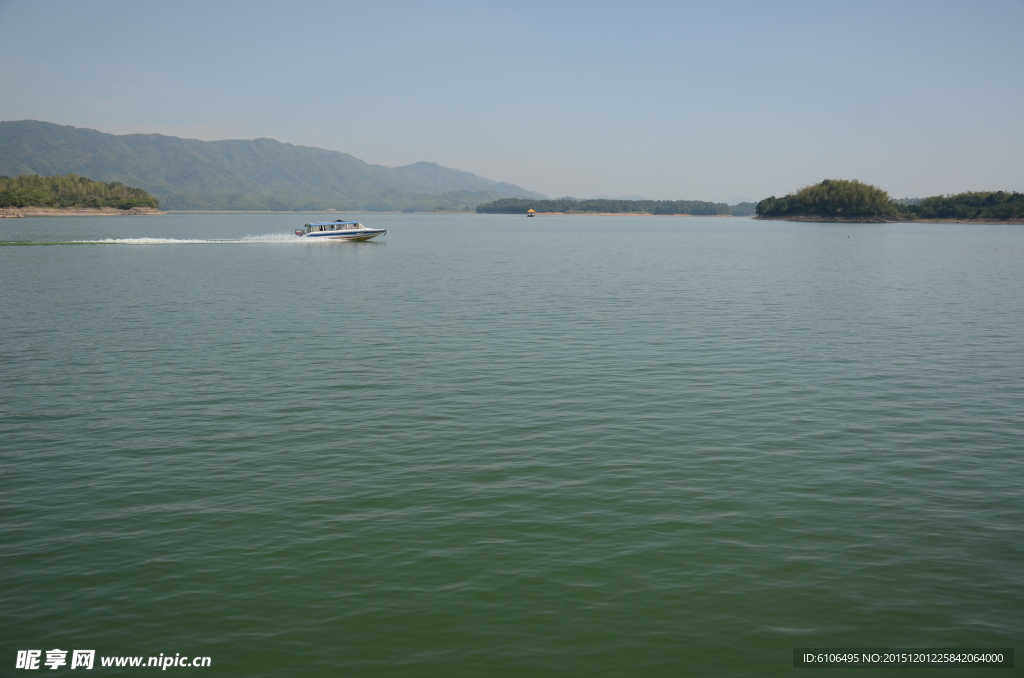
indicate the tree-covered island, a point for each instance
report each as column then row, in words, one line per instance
column 846, row 200
column 71, row 192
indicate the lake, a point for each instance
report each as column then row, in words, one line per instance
column 496, row 446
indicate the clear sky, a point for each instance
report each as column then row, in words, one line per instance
column 716, row 100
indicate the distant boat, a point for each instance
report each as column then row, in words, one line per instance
column 531, row 213
column 339, row 230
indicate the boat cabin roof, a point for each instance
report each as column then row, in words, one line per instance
column 333, row 223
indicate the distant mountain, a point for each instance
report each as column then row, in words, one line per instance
column 261, row 174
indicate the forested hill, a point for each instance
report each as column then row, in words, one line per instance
column 981, row 205
column 832, row 198
column 851, row 200
column 605, row 206
column 260, row 174
column 70, row 191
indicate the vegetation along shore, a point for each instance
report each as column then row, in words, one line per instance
column 34, row 195
column 853, row 201
column 832, row 200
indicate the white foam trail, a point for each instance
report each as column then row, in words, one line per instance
column 246, row 240
column 145, row 241
column 275, row 237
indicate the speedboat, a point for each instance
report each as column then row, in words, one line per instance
column 339, row 230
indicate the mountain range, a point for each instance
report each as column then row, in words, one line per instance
column 258, row 174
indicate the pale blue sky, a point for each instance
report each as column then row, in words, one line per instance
column 716, row 100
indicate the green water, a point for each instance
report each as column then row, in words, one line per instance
column 493, row 446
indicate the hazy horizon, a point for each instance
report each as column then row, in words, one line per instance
column 734, row 101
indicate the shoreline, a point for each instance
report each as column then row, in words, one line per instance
column 616, row 214
column 837, row 220
column 281, row 212
column 24, row 212
column 886, row 220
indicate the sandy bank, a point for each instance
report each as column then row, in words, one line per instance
column 625, row 214
column 969, row 221
column 837, row 220
column 887, row 220
column 17, row 212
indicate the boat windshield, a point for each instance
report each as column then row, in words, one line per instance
column 333, row 226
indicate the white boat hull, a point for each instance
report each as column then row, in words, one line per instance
column 353, row 234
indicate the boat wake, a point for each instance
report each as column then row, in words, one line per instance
column 269, row 238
